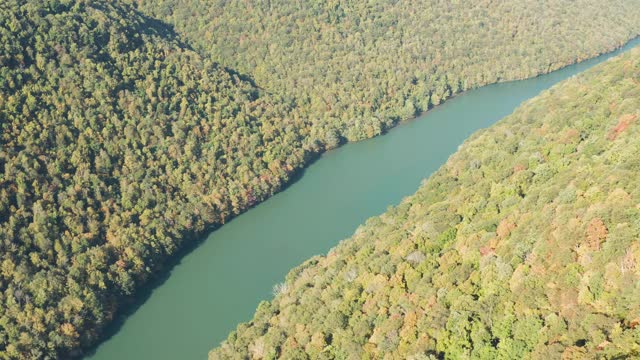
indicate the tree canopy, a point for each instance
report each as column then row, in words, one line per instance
column 118, row 141
column 355, row 68
column 123, row 138
column 523, row 245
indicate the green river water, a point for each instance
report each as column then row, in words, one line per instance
column 220, row 283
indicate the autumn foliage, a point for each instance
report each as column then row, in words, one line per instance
column 483, row 262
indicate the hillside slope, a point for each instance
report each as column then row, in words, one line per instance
column 117, row 142
column 356, row 68
column 525, row 244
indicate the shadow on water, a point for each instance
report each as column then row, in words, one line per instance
column 221, row 285
column 131, row 304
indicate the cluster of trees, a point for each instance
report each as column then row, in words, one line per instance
column 119, row 141
column 356, row 68
column 523, row 245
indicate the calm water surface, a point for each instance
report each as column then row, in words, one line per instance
column 219, row 284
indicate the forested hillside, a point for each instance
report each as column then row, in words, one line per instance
column 525, row 244
column 356, row 68
column 119, row 141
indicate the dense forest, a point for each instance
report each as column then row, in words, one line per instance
column 117, row 142
column 355, row 68
column 123, row 138
column 523, row 245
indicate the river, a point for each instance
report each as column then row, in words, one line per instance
column 219, row 284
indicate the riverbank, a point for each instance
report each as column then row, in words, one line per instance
column 210, row 290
